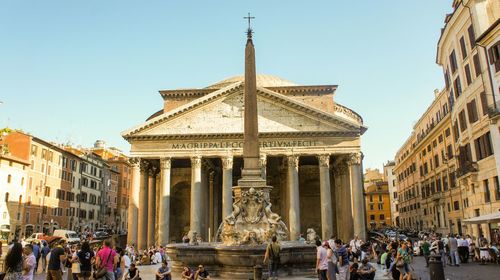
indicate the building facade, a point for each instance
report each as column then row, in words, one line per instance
column 393, row 191
column 469, row 84
column 377, row 199
column 188, row 157
column 14, row 166
column 447, row 170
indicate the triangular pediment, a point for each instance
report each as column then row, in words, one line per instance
column 221, row 112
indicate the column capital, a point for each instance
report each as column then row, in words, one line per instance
column 152, row 170
column 324, row 160
column 135, row 162
column 196, row 161
column 293, row 161
column 144, row 164
column 263, row 160
column 227, row 162
column 165, row 163
column 355, row 159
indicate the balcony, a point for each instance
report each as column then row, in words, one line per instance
column 494, row 110
column 466, row 168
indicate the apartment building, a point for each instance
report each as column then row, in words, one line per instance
column 393, row 191
column 469, row 85
column 447, row 170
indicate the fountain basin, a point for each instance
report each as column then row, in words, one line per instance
column 237, row 262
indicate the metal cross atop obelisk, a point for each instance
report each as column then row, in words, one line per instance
column 249, row 31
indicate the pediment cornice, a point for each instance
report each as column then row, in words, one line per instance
column 235, row 136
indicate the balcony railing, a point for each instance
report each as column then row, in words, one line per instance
column 466, row 168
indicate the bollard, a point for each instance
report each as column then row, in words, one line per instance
column 257, row 272
column 436, row 270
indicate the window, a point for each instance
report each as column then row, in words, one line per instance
column 463, row 123
column 381, row 206
column 371, row 206
column 371, row 198
column 483, row 146
column 382, row 217
column 453, row 62
column 6, row 197
column 440, row 138
column 484, row 103
column 472, row 36
column 456, row 205
column 9, row 178
column 372, row 217
column 44, row 153
column 34, row 150
column 449, row 151
column 477, row 64
column 496, row 185
column 380, row 197
column 447, row 132
column 487, row 197
column 447, row 79
column 436, row 161
column 472, row 111
column 457, row 87
column 463, row 48
column 445, row 182
column 494, row 55
column 468, row 76
column 47, row 191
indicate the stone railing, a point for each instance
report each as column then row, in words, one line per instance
column 494, row 110
column 348, row 113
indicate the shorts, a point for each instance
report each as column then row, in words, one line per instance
column 85, row 274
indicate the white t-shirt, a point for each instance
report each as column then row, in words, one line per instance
column 321, row 255
column 125, row 263
column 355, row 245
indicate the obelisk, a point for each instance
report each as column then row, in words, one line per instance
column 252, row 221
column 251, row 154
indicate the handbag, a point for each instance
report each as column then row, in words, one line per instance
column 75, row 267
column 102, row 270
column 400, row 263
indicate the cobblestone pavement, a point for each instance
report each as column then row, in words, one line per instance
column 469, row 271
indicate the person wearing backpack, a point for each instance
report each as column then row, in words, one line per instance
column 273, row 256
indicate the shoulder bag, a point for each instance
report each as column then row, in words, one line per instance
column 102, row 270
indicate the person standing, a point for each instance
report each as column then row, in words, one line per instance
column 29, row 263
column 56, row 261
column 426, row 251
column 272, row 256
column 331, row 260
column 343, row 260
column 355, row 246
column 45, row 252
column 453, row 244
column 36, row 253
column 107, row 258
column 124, row 263
column 85, row 256
column 321, row 260
column 463, row 248
column 14, row 262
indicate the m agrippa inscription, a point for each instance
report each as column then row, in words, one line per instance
column 239, row 144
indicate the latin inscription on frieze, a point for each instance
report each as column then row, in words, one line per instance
column 239, row 144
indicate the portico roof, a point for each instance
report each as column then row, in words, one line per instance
column 351, row 123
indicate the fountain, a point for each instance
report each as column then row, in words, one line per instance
column 243, row 234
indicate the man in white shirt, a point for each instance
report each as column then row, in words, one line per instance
column 355, row 246
column 321, row 260
column 463, row 248
column 29, row 263
column 125, row 264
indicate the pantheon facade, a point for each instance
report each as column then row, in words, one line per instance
column 188, row 156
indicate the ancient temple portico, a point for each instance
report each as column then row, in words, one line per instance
column 188, row 156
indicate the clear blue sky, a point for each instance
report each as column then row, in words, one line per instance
column 77, row 71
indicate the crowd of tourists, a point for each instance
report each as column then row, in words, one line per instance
column 456, row 249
